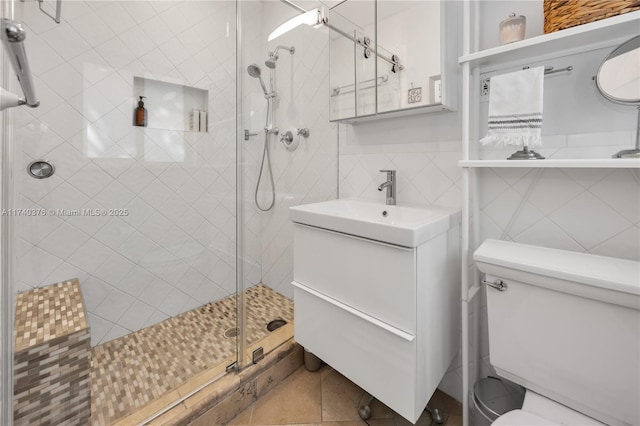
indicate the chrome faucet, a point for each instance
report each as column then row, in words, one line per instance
column 390, row 184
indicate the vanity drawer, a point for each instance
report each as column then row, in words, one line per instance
column 379, row 358
column 375, row 278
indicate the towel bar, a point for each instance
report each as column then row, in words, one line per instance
column 549, row 70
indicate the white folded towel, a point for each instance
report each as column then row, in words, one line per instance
column 515, row 108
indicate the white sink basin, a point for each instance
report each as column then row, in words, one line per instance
column 400, row 225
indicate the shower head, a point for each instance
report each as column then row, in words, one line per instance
column 273, row 56
column 254, row 71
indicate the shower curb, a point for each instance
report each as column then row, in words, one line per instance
column 221, row 401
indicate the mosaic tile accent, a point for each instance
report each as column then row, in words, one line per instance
column 51, row 361
column 49, row 312
column 131, row 371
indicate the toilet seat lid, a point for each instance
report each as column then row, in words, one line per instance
column 521, row 418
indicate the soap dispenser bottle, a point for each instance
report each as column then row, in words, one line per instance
column 141, row 113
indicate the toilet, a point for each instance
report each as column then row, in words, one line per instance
column 566, row 327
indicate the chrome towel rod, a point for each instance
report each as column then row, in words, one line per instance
column 58, row 10
column 56, row 18
column 549, row 70
column 340, row 89
column 13, row 36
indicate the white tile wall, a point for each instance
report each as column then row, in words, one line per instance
column 306, row 175
column 580, row 210
column 176, row 248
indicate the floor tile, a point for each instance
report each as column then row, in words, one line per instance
column 444, row 403
column 381, row 422
column 454, row 421
column 337, row 400
column 340, row 398
column 296, row 400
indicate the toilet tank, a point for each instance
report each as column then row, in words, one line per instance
column 567, row 326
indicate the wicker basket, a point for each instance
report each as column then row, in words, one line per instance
column 561, row 14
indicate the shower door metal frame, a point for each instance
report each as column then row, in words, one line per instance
column 7, row 259
column 241, row 343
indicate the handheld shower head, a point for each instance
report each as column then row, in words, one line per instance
column 254, row 71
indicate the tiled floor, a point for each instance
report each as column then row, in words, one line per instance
column 130, row 372
column 328, row 398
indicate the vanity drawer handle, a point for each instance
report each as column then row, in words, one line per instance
column 393, row 330
column 497, row 284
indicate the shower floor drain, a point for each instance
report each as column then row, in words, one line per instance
column 231, row 332
column 275, row 324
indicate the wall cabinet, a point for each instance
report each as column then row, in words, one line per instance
column 392, row 58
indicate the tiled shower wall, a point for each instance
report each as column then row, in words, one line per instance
column 586, row 210
column 175, row 249
column 306, row 175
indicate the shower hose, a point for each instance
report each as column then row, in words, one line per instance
column 266, row 157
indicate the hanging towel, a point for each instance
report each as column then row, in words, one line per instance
column 515, row 109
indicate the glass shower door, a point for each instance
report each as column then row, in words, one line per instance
column 141, row 218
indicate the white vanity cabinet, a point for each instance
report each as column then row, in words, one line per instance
column 385, row 316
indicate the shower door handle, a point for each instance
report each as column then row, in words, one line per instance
column 248, row 134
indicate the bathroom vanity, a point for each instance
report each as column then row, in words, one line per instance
column 376, row 292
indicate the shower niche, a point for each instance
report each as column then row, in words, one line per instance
column 173, row 106
column 392, row 58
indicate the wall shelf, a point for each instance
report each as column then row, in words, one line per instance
column 583, row 38
column 572, row 40
column 172, row 106
column 605, row 163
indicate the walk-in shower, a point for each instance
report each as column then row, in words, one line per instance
column 149, row 232
column 255, row 72
column 141, row 220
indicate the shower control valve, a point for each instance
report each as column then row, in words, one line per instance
column 288, row 141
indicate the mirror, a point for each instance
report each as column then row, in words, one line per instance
column 352, row 70
column 392, row 57
column 411, row 30
column 618, row 80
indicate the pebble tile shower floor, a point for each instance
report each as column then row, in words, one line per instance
column 129, row 372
